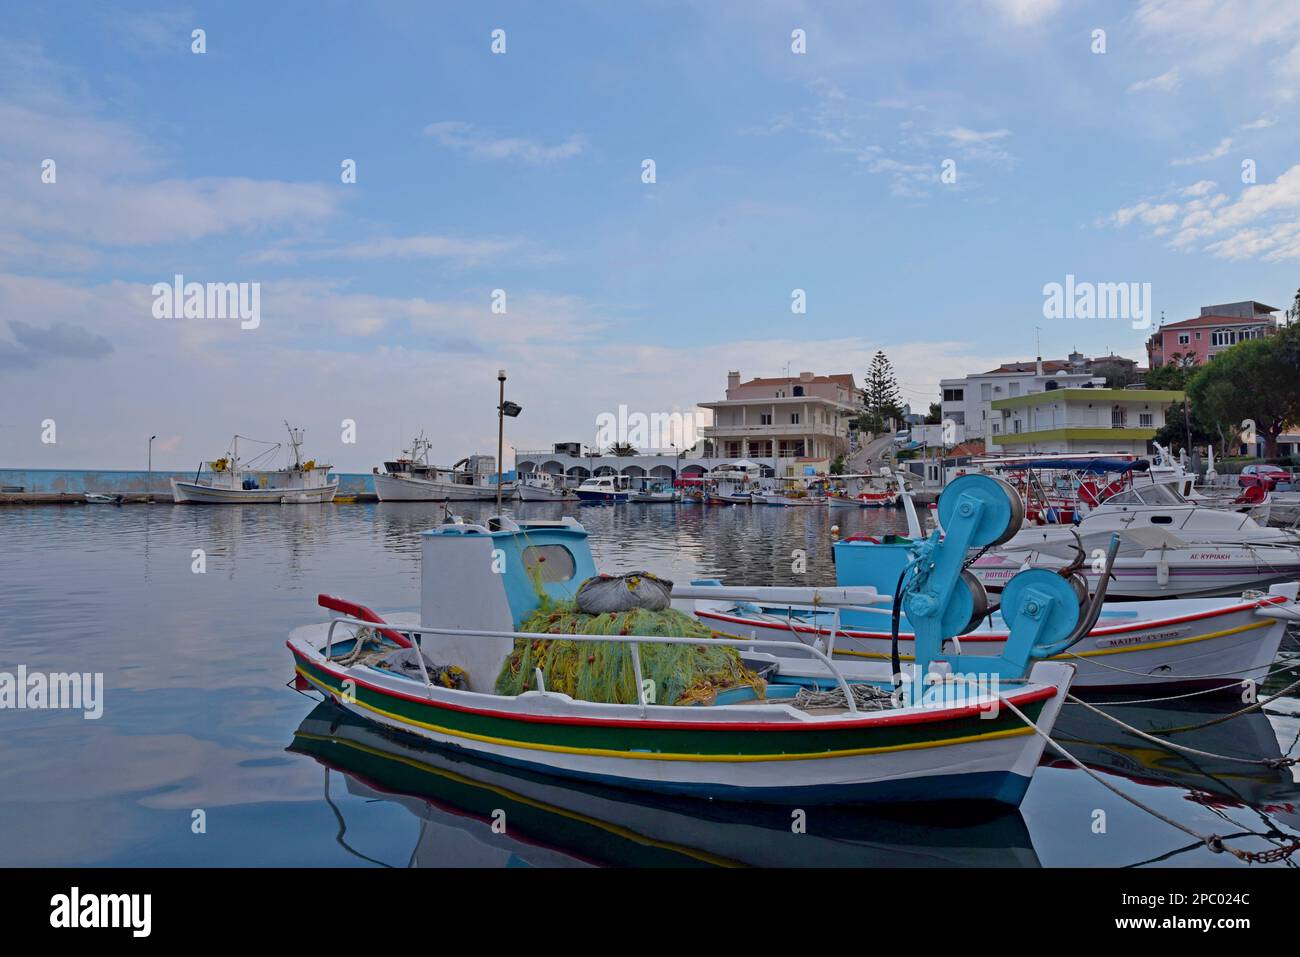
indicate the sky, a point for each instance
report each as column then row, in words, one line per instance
column 920, row 172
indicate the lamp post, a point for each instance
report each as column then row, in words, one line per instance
column 504, row 408
column 148, row 486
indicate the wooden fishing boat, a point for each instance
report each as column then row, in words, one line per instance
column 232, row 481
column 956, row 728
column 410, row 478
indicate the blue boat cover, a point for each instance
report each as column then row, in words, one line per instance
column 1093, row 466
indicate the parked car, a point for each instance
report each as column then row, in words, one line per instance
column 1265, row 476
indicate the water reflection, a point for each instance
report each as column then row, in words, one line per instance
column 473, row 813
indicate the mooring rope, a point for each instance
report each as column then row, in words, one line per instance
column 1266, row 762
column 1212, row 841
column 1203, row 691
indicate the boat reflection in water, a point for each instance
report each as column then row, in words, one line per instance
column 552, row 822
column 1219, row 784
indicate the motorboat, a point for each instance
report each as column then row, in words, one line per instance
column 410, row 478
column 231, row 480
column 950, row 726
column 606, row 488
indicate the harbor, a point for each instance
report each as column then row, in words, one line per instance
column 217, row 729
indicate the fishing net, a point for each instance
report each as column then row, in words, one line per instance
column 602, row 671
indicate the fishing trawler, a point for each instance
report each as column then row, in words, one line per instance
column 956, row 727
column 231, row 480
column 542, row 486
column 410, row 478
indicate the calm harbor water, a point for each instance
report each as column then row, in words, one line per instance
column 198, row 716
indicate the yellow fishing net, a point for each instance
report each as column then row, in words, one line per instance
column 602, row 671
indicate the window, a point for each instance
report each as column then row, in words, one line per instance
column 765, row 418
column 549, row 563
column 798, row 390
column 996, row 430
column 986, row 391
column 1016, row 425
column 794, row 418
column 1184, row 339
column 1015, row 388
column 1146, row 420
column 954, row 395
column 1118, row 417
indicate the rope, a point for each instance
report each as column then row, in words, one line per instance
column 1212, row 841
column 1194, row 694
column 1266, row 762
column 1246, row 710
column 866, row 697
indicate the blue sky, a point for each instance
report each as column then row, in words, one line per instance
column 775, row 171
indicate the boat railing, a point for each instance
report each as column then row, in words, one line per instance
column 637, row 640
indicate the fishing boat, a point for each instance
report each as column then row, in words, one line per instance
column 541, row 486
column 790, row 493
column 231, row 480
column 410, row 478
column 1198, row 644
column 460, row 799
column 956, row 727
column 606, row 488
column 656, row 493
column 730, row 486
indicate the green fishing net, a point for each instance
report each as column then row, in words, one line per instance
column 602, row 672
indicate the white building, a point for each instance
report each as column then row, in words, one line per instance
column 968, row 401
column 1081, row 420
column 791, row 423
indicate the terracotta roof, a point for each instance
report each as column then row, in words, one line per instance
column 1216, row 321
column 1049, row 365
column 966, row 448
column 844, row 379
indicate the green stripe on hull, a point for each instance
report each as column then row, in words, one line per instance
column 704, row 741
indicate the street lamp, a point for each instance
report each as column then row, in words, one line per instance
column 148, row 486
column 504, row 408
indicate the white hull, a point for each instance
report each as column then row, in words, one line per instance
column 1204, row 571
column 1162, row 644
column 192, row 493
column 533, row 493
column 391, row 488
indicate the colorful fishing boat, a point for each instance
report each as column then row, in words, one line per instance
column 955, row 727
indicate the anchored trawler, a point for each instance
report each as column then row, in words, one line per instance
column 410, row 478
column 231, row 480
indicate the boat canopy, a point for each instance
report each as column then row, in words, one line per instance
column 1092, row 466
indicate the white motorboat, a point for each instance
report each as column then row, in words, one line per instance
column 410, row 478
column 1154, row 563
column 232, row 481
column 1158, row 506
column 606, row 488
column 540, row 486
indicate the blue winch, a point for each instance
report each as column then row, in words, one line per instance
column 1045, row 611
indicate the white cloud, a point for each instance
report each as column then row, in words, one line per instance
column 1263, row 123
column 1026, row 12
column 465, row 252
column 467, row 138
column 1164, row 83
column 1220, row 150
column 1259, row 224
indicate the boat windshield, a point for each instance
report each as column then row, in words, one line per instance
column 1159, row 495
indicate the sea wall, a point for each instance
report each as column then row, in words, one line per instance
column 128, row 482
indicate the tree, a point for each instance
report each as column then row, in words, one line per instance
column 936, row 414
column 880, row 396
column 1172, row 375
column 837, row 467
column 1256, row 381
column 622, row 449
column 1117, row 374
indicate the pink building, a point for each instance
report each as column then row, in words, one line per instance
column 1197, row 341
